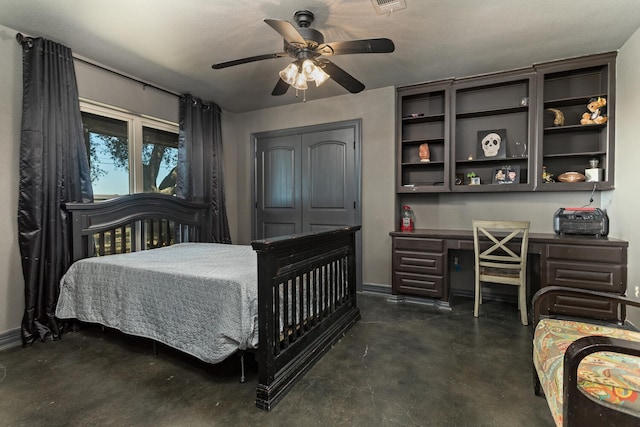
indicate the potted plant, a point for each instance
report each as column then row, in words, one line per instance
column 473, row 178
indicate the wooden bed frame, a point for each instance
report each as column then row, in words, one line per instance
column 288, row 268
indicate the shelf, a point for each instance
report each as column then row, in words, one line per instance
column 575, row 154
column 421, row 141
column 423, row 119
column 423, row 164
column 574, row 128
column 569, row 102
column 575, row 186
column 504, row 160
column 496, row 112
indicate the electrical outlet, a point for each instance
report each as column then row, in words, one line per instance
column 637, row 291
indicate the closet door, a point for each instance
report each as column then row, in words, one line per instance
column 278, row 195
column 328, row 179
column 306, row 180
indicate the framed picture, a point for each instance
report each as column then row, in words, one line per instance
column 492, row 144
column 506, row 175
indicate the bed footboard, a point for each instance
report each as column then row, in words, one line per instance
column 307, row 301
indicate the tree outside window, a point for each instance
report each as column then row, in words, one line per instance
column 113, row 154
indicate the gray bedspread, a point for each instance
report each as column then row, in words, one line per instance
column 200, row 298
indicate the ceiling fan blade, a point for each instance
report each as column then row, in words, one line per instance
column 343, row 78
column 249, row 59
column 287, row 31
column 357, row 46
column 281, row 88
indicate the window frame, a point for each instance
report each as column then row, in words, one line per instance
column 135, row 124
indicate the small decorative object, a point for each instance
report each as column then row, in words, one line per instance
column 524, row 101
column 470, row 157
column 492, row 144
column 520, row 150
column 558, row 119
column 597, row 113
column 425, row 156
column 408, row 219
column 546, row 176
column 459, row 179
column 571, row 177
column 413, row 116
column 506, row 175
column 473, row 178
column 593, row 173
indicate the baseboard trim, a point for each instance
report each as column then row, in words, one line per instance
column 10, row 339
column 439, row 304
column 374, row 288
column 385, row 291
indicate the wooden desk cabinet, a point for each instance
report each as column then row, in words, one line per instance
column 420, row 267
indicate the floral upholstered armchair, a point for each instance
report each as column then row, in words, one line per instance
column 588, row 370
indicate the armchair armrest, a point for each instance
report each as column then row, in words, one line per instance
column 576, row 401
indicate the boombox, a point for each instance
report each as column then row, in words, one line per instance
column 585, row 221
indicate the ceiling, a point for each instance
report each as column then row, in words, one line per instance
column 172, row 44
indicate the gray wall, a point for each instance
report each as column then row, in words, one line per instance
column 11, row 282
column 624, row 206
column 376, row 109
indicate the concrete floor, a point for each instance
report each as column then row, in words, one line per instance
column 401, row 365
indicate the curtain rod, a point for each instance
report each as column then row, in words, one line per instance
column 21, row 39
column 143, row 83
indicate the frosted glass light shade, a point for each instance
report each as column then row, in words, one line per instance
column 289, row 74
column 312, row 72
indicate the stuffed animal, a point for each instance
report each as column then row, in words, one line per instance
column 597, row 114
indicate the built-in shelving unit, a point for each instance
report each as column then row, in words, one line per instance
column 485, row 107
column 424, row 119
column 568, row 86
column 454, row 116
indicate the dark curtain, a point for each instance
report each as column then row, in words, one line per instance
column 53, row 169
column 200, row 175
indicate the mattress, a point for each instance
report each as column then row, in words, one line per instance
column 200, row 298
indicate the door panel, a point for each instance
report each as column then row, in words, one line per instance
column 279, row 210
column 329, row 180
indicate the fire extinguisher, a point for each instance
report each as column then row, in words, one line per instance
column 407, row 220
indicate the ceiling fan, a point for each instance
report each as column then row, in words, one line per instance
column 307, row 46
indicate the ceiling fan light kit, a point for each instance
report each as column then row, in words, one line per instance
column 307, row 46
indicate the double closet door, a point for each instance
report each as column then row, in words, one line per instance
column 307, row 179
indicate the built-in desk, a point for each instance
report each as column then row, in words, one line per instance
column 420, row 267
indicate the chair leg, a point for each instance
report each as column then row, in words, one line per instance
column 537, row 387
column 477, row 299
column 522, row 292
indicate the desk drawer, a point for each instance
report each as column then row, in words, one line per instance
column 418, row 244
column 596, row 277
column 584, row 307
column 419, row 262
column 421, row 285
column 586, row 253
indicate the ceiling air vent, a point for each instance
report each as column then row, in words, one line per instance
column 388, row 6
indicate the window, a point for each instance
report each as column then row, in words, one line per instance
column 129, row 153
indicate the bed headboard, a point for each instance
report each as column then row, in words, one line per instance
column 135, row 222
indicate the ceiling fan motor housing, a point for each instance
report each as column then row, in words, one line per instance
column 304, row 19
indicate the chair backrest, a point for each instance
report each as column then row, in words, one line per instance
column 501, row 244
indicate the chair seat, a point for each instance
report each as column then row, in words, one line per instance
column 609, row 377
column 500, row 272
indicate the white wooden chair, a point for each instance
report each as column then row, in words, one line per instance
column 500, row 249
